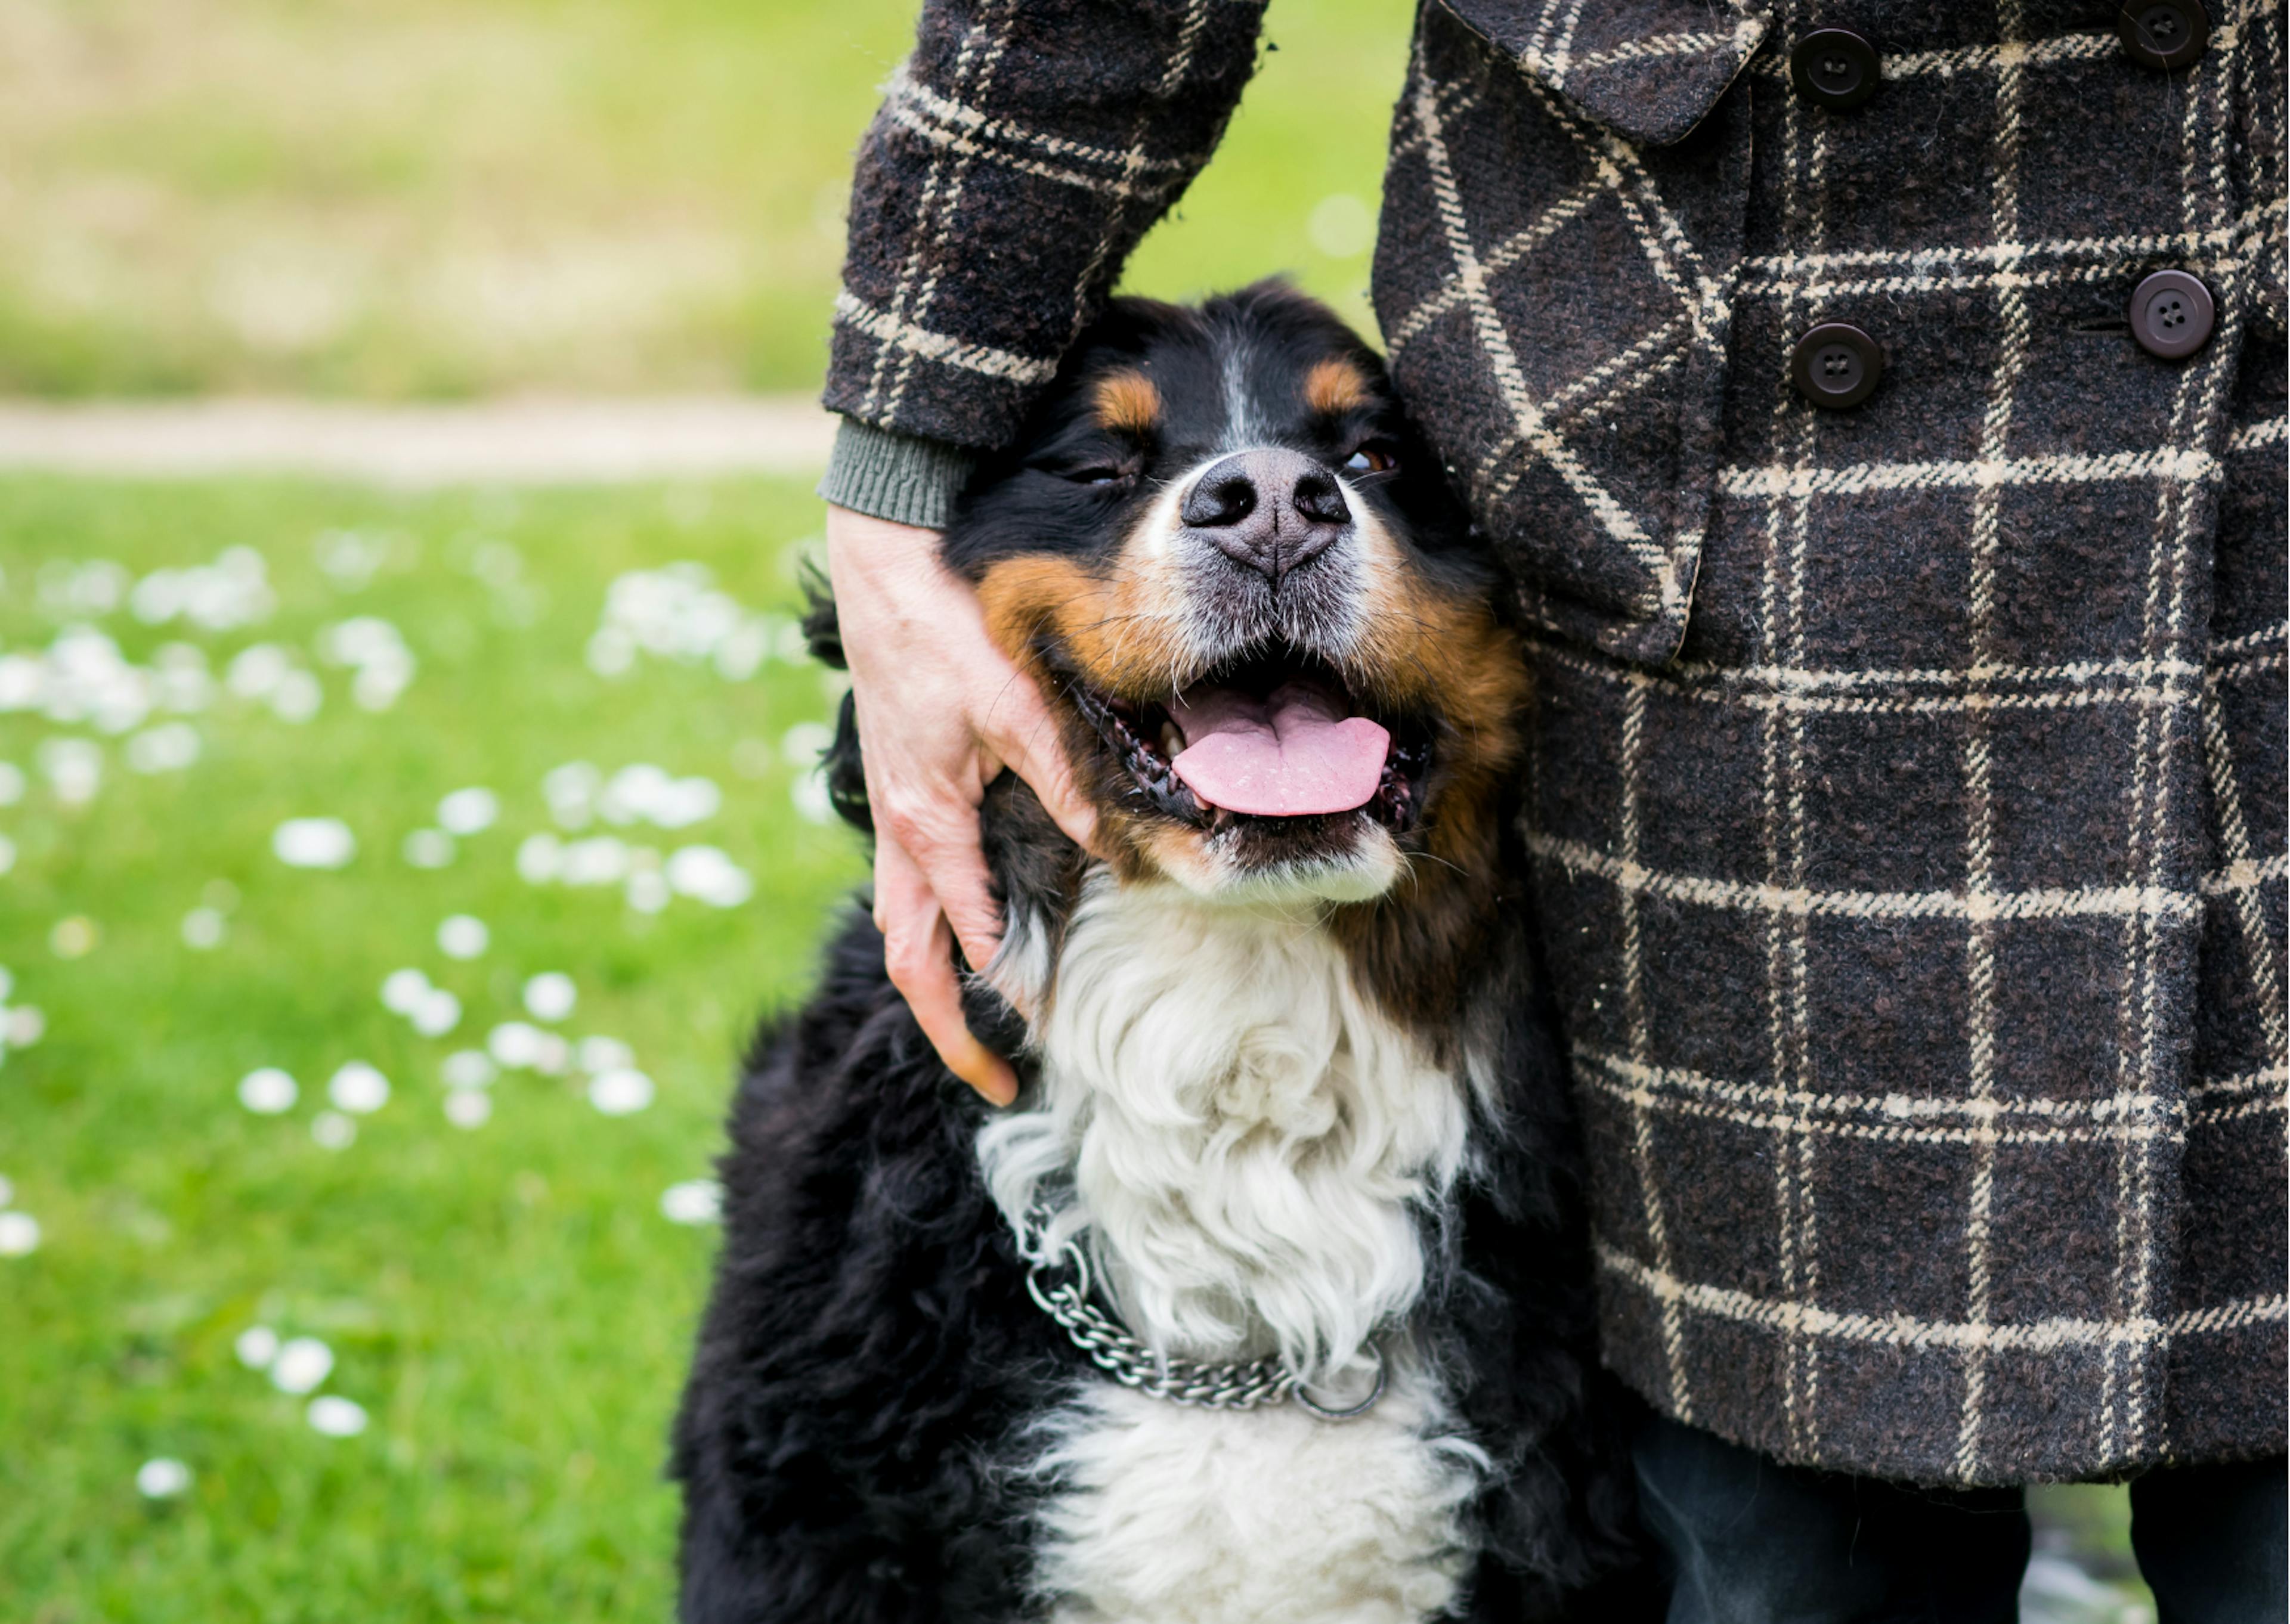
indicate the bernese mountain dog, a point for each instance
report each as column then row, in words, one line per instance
column 1266, row 1301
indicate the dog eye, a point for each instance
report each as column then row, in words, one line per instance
column 1097, row 477
column 1372, row 459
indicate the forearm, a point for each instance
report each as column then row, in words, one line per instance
column 1021, row 152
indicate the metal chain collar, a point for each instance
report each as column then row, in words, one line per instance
column 1110, row 1347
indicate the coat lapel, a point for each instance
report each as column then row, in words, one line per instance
column 1649, row 70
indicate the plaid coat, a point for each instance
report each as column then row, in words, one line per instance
column 1907, row 793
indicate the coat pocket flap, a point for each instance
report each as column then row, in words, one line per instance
column 1649, row 70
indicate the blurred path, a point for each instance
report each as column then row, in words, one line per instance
column 523, row 441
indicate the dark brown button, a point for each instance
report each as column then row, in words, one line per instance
column 2171, row 315
column 1836, row 365
column 1834, row 68
column 2164, row 34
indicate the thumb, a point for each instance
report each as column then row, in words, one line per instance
column 1024, row 736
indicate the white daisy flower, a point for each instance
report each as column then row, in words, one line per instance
column 538, row 858
column 161, row 1478
column 469, row 1068
column 620, row 1092
column 297, row 697
column 550, row 995
column 301, row 1365
column 314, row 842
column 710, row 876
column 427, row 848
column 695, row 1201
column 336, row 1417
column 358, row 1087
column 515, row 1045
column 603, row 860
column 462, row 936
column 267, row 1092
column 257, row 1347
column 469, row 811
column 403, row 990
column 438, row 1013
column 19, row 1234
column 600, row 1053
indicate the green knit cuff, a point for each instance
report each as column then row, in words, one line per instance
column 894, row 477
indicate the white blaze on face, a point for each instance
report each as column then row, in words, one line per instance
column 1240, row 429
column 1160, row 559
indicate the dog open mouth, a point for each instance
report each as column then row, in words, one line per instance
column 1272, row 738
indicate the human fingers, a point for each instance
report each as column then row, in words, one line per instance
column 916, row 952
column 1022, row 735
column 953, row 867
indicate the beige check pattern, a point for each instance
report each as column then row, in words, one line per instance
column 1907, row 793
column 1565, row 342
column 1919, row 927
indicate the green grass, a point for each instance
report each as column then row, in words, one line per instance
column 410, row 199
column 508, row 1304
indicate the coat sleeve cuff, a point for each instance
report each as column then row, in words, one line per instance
column 894, row 477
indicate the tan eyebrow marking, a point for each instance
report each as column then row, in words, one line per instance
column 1127, row 403
column 1333, row 386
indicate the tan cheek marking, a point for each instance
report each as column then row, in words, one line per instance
column 1127, row 403
column 1334, row 385
column 1384, row 575
column 1481, row 672
column 1124, row 631
column 1418, row 642
column 1421, row 646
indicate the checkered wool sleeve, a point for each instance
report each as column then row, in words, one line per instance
column 1020, row 154
column 1907, row 794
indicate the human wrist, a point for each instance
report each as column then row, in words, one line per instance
column 894, row 477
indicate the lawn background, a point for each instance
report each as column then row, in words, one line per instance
column 420, row 198
column 508, row 1304
column 408, row 200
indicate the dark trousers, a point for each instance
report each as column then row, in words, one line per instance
column 1752, row 1541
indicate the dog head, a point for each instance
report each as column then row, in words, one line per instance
column 1237, row 570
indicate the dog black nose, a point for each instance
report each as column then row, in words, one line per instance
column 1270, row 510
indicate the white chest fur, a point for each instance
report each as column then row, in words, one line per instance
column 1243, row 1133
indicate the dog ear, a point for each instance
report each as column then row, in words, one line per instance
column 846, row 770
column 820, row 629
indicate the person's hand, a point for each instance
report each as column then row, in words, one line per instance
column 942, row 711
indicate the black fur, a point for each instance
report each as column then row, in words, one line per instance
column 850, row 1444
column 844, row 1441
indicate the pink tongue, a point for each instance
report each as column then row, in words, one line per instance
column 1289, row 754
